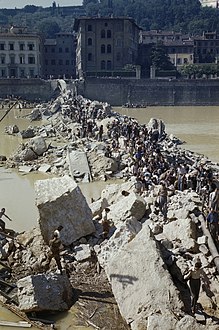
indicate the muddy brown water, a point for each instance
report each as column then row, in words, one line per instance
column 198, row 126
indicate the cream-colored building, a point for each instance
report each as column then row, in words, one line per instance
column 20, row 53
column 180, row 53
column 105, row 45
column 209, row 3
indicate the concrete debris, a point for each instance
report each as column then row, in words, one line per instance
column 144, row 232
column 42, row 292
column 60, row 202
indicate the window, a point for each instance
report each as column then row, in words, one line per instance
column 89, row 41
column 21, row 46
column 2, row 46
column 31, row 60
column 30, row 46
column 46, row 62
column 89, row 57
column 21, row 59
column 103, row 49
column 109, row 65
column 11, row 46
column 103, row 65
column 2, row 59
column 60, row 50
column 22, row 73
column 53, row 50
column 46, row 50
column 178, row 60
column 3, row 74
column 109, row 34
column 103, row 34
column 67, row 50
column 89, row 27
column 109, row 49
column 185, row 60
column 106, row 24
column 12, row 60
column 67, row 62
column 31, row 73
column 53, row 62
column 60, row 62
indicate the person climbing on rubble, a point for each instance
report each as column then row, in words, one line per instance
column 2, row 223
column 194, row 276
column 214, row 199
column 54, row 252
column 212, row 224
column 105, row 223
column 162, row 199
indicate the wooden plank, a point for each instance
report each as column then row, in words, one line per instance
column 19, row 324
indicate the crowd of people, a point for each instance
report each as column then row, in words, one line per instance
column 147, row 159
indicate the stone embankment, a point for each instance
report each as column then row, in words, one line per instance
column 144, row 252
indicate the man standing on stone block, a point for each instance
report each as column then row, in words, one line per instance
column 55, row 246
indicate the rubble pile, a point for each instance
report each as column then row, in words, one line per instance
column 145, row 258
column 145, row 252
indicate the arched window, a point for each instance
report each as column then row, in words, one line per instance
column 109, row 34
column 109, row 49
column 103, row 34
column 103, row 49
column 89, row 57
column 89, row 41
column 109, row 65
column 103, row 65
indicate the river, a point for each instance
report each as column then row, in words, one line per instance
column 198, row 126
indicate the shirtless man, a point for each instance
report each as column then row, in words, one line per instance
column 2, row 223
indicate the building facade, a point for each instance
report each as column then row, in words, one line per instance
column 20, row 53
column 179, row 47
column 105, row 45
column 180, row 53
column 206, row 48
column 59, row 56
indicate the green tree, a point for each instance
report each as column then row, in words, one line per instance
column 160, row 59
column 48, row 27
column 30, row 9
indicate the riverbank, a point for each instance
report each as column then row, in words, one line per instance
column 143, row 156
column 151, row 92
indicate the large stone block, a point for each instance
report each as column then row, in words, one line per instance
column 129, row 206
column 113, row 192
column 38, row 145
column 124, row 234
column 61, row 202
column 44, row 293
column 183, row 230
column 140, row 281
